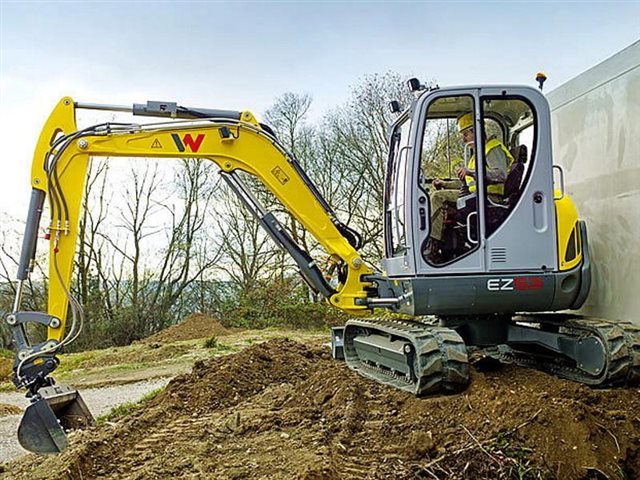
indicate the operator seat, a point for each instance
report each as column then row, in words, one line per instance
column 496, row 213
column 512, row 188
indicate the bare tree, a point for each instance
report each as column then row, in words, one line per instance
column 34, row 296
column 355, row 138
column 248, row 251
column 132, row 275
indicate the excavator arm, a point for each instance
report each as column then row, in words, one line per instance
column 234, row 141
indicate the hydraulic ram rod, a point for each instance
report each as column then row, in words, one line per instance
column 162, row 109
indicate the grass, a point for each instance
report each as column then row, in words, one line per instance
column 126, row 409
column 517, row 463
column 212, row 343
column 136, row 353
column 117, row 365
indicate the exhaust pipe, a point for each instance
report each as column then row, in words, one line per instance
column 53, row 411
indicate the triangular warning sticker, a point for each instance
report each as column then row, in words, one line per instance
column 156, row 144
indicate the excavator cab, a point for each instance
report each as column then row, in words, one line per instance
column 478, row 232
column 500, row 238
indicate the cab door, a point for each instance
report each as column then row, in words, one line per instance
column 499, row 215
column 398, row 228
column 449, row 235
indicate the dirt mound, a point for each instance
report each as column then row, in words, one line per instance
column 281, row 410
column 192, row 327
column 6, row 369
column 6, row 409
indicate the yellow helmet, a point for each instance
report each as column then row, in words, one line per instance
column 465, row 121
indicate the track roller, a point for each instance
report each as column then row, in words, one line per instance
column 409, row 355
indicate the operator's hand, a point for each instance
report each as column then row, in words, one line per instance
column 462, row 172
column 438, row 184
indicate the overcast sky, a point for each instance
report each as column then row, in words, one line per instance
column 241, row 55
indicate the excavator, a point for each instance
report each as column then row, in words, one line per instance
column 510, row 258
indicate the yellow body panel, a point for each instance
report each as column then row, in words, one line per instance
column 568, row 232
column 247, row 149
column 72, row 172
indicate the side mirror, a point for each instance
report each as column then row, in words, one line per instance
column 414, row 85
column 394, row 106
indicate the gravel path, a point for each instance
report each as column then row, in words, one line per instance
column 99, row 401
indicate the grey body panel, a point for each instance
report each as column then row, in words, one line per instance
column 492, row 293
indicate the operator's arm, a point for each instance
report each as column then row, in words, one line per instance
column 447, row 184
column 497, row 165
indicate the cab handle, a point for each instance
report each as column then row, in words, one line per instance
column 561, row 176
column 471, row 240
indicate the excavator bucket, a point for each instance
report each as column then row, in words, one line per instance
column 55, row 410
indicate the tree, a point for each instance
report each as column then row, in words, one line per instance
column 133, row 276
column 354, row 140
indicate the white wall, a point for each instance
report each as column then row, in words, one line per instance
column 596, row 137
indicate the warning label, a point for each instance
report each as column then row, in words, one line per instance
column 156, row 144
column 280, row 175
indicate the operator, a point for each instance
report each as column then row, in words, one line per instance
column 498, row 161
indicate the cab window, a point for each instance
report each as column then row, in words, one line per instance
column 509, row 132
column 447, row 174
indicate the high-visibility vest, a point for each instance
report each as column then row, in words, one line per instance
column 496, row 188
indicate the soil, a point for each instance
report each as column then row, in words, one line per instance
column 283, row 410
column 7, row 409
column 6, row 368
column 192, row 327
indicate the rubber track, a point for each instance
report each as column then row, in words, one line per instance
column 622, row 345
column 441, row 364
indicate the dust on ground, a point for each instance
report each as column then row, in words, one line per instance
column 284, row 410
column 194, row 326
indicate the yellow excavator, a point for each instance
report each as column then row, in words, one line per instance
column 503, row 253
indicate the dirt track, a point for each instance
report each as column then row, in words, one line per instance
column 282, row 410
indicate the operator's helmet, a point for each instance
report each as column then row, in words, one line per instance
column 465, row 121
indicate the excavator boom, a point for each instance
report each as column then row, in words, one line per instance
column 234, row 141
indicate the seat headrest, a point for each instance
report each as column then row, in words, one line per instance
column 519, row 153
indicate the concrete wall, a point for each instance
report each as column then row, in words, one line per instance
column 596, row 137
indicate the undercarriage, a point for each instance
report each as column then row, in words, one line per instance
column 428, row 357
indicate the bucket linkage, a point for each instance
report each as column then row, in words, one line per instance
column 54, row 409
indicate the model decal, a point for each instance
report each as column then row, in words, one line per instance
column 517, row 283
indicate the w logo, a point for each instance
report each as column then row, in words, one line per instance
column 187, row 140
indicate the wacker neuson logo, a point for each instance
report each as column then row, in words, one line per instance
column 188, row 141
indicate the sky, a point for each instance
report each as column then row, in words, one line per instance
column 242, row 55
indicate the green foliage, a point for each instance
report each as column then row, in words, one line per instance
column 216, row 347
column 128, row 408
column 5, row 353
column 280, row 303
column 211, row 342
column 6, row 366
column 517, row 463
